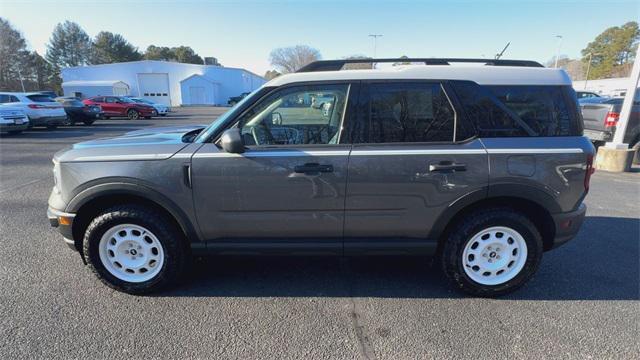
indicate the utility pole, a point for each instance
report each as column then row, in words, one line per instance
column 558, row 49
column 586, row 79
column 21, row 81
column 375, row 43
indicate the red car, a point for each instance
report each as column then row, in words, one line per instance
column 121, row 106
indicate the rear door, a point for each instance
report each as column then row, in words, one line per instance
column 290, row 182
column 412, row 158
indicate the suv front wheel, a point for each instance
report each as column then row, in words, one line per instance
column 134, row 249
column 492, row 252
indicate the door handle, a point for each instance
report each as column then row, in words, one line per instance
column 447, row 166
column 313, row 168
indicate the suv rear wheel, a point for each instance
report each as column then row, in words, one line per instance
column 134, row 249
column 492, row 252
column 133, row 114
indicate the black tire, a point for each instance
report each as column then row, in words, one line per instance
column 147, row 117
column 133, row 114
column 14, row 132
column 106, row 117
column 472, row 224
column 163, row 114
column 170, row 238
column 88, row 122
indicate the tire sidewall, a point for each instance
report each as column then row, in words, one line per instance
column 109, row 219
column 459, row 240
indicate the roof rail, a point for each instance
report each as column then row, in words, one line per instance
column 335, row 65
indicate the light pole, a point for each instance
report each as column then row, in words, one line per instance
column 558, row 49
column 375, row 43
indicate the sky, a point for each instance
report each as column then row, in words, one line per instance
column 243, row 33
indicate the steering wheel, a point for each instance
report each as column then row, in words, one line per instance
column 262, row 135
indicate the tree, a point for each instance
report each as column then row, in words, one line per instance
column 271, row 74
column 290, row 59
column 364, row 65
column 68, row 46
column 41, row 74
column 612, row 51
column 12, row 54
column 402, row 62
column 183, row 54
column 110, row 48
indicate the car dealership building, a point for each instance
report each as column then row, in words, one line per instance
column 162, row 82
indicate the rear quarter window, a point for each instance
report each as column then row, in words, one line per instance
column 40, row 98
column 520, row 111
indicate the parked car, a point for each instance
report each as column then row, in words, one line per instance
column 484, row 167
column 236, row 99
column 601, row 119
column 40, row 109
column 586, row 95
column 79, row 112
column 162, row 109
column 13, row 120
column 114, row 106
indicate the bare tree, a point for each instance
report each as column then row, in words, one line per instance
column 364, row 65
column 290, row 59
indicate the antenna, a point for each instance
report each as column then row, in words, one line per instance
column 498, row 56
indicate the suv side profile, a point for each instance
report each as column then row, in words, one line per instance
column 484, row 167
column 113, row 106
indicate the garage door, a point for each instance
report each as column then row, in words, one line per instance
column 155, row 87
column 197, row 95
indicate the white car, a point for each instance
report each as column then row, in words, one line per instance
column 13, row 120
column 160, row 108
column 41, row 109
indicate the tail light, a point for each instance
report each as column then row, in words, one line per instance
column 590, row 171
column 37, row 106
column 611, row 119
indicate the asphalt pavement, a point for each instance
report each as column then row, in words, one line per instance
column 583, row 302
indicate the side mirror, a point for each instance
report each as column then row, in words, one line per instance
column 276, row 118
column 231, row 141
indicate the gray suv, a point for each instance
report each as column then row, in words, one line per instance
column 483, row 166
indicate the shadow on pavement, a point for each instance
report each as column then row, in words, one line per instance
column 600, row 264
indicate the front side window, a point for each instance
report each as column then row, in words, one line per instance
column 297, row 115
column 409, row 112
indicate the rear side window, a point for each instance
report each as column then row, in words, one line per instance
column 519, row 111
column 409, row 112
column 40, row 98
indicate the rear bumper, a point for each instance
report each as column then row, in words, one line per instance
column 568, row 224
column 48, row 120
column 13, row 126
column 595, row 135
column 64, row 226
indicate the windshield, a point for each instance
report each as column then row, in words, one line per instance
column 219, row 122
column 142, row 101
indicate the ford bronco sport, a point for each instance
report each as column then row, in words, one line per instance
column 482, row 165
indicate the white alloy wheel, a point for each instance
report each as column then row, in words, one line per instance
column 131, row 253
column 494, row 255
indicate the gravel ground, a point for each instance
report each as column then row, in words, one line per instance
column 583, row 303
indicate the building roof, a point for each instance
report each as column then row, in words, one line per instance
column 200, row 76
column 481, row 74
column 93, row 83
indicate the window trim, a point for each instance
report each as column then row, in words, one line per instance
column 443, row 86
column 231, row 122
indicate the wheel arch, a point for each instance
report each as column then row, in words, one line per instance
column 538, row 211
column 88, row 203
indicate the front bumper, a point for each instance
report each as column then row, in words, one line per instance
column 568, row 224
column 64, row 223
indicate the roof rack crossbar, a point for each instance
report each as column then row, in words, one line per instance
column 335, row 65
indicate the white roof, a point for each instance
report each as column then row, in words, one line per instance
column 93, row 83
column 484, row 75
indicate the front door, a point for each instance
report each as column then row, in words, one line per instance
column 290, row 182
column 405, row 168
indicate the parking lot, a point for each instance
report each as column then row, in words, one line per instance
column 583, row 303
